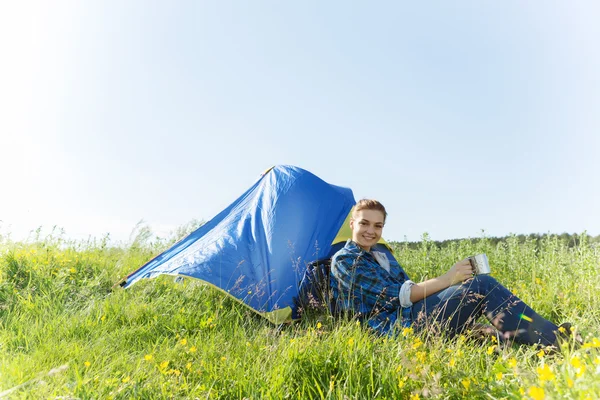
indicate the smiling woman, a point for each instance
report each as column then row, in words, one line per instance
column 378, row 290
column 368, row 218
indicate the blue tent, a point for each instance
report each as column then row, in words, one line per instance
column 257, row 249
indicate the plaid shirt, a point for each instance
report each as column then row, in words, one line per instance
column 360, row 285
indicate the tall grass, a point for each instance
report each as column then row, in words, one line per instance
column 162, row 339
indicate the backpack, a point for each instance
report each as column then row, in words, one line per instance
column 314, row 292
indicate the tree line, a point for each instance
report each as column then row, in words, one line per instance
column 570, row 239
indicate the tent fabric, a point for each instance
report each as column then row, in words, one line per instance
column 257, row 249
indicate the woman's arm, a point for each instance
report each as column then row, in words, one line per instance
column 459, row 272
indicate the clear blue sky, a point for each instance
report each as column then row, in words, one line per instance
column 458, row 116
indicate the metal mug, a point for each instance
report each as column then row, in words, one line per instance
column 480, row 264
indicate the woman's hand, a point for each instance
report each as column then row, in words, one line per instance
column 461, row 271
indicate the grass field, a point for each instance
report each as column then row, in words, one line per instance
column 66, row 333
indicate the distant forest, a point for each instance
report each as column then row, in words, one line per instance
column 572, row 240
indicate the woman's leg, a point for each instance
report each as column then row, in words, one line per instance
column 458, row 307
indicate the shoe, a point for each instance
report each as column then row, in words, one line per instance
column 566, row 335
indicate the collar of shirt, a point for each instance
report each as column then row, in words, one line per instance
column 353, row 247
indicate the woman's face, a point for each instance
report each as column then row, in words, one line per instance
column 367, row 226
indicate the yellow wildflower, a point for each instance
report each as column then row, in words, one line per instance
column 466, row 383
column 126, row 379
column 183, row 342
column 491, row 349
column 499, row 376
column 407, row 331
column 319, row 325
column 223, row 358
column 452, row 362
column 148, row 357
column 576, row 362
column 415, row 396
column 545, row 373
column 569, row 383
column 87, row 363
column 594, row 343
column 72, row 270
column 536, row 393
column 417, row 343
column 538, row 281
column 541, row 353
column 193, row 349
column 102, row 318
column 522, row 391
column 512, row 362
column 350, row 341
column 580, row 371
column 402, row 382
column 188, row 366
column 164, row 365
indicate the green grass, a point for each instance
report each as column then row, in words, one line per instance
column 161, row 339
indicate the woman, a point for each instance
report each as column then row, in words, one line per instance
column 376, row 288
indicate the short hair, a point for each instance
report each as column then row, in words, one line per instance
column 369, row 204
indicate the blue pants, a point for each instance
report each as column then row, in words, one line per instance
column 456, row 309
